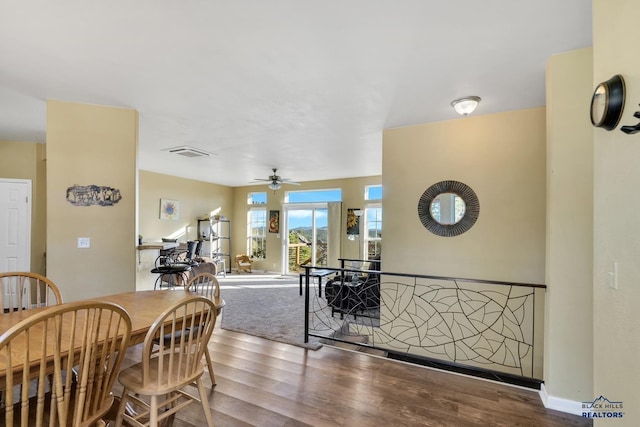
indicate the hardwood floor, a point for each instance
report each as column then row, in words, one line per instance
column 266, row 383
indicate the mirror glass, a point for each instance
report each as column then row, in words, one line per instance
column 447, row 208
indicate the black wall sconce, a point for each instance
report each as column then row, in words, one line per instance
column 628, row 129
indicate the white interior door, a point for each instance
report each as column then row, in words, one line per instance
column 15, row 225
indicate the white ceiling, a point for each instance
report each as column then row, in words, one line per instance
column 304, row 86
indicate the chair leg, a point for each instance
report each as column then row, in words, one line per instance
column 121, row 407
column 205, row 402
column 210, row 367
column 153, row 412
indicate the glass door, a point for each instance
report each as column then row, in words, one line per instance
column 307, row 237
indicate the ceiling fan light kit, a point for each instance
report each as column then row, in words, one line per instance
column 275, row 181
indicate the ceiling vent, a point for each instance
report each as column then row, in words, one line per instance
column 185, row 150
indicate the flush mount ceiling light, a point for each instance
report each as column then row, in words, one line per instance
column 465, row 106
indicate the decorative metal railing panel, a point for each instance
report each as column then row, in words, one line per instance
column 473, row 323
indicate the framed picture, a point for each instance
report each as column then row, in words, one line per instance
column 274, row 221
column 353, row 222
column 169, row 209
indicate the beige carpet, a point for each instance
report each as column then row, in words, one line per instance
column 267, row 306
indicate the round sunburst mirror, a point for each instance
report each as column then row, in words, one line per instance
column 448, row 208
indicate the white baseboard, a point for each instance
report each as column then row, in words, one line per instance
column 558, row 403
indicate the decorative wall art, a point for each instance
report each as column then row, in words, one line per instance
column 88, row 195
column 462, row 222
column 274, row 221
column 169, row 209
column 353, row 222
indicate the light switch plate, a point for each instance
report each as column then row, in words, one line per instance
column 84, row 242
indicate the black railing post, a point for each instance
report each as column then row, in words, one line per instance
column 306, row 303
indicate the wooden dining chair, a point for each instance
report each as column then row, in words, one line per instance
column 21, row 290
column 206, row 285
column 153, row 388
column 37, row 351
column 24, row 290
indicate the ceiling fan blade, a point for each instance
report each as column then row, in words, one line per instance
column 289, row 182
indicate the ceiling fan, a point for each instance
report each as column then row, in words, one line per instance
column 275, row 181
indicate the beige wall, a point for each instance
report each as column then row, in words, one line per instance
column 616, row 313
column 26, row 160
column 569, row 262
column 502, row 158
column 352, row 197
column 88, row 145
column 196, row 199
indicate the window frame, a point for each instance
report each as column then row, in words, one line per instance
column 318, row 190
column 251, row 226
column 367, row 237
column 250, row 201
column 367, row 192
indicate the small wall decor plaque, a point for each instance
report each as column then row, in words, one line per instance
column 169, row 209
column 88, row 195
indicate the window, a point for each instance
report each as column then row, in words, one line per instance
column 373, row 192
column 257, row 233
column 311, row 196
column 257, row 198
column 373, row 227
column 373, row 221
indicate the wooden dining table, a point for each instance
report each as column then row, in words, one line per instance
column 144, row 307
